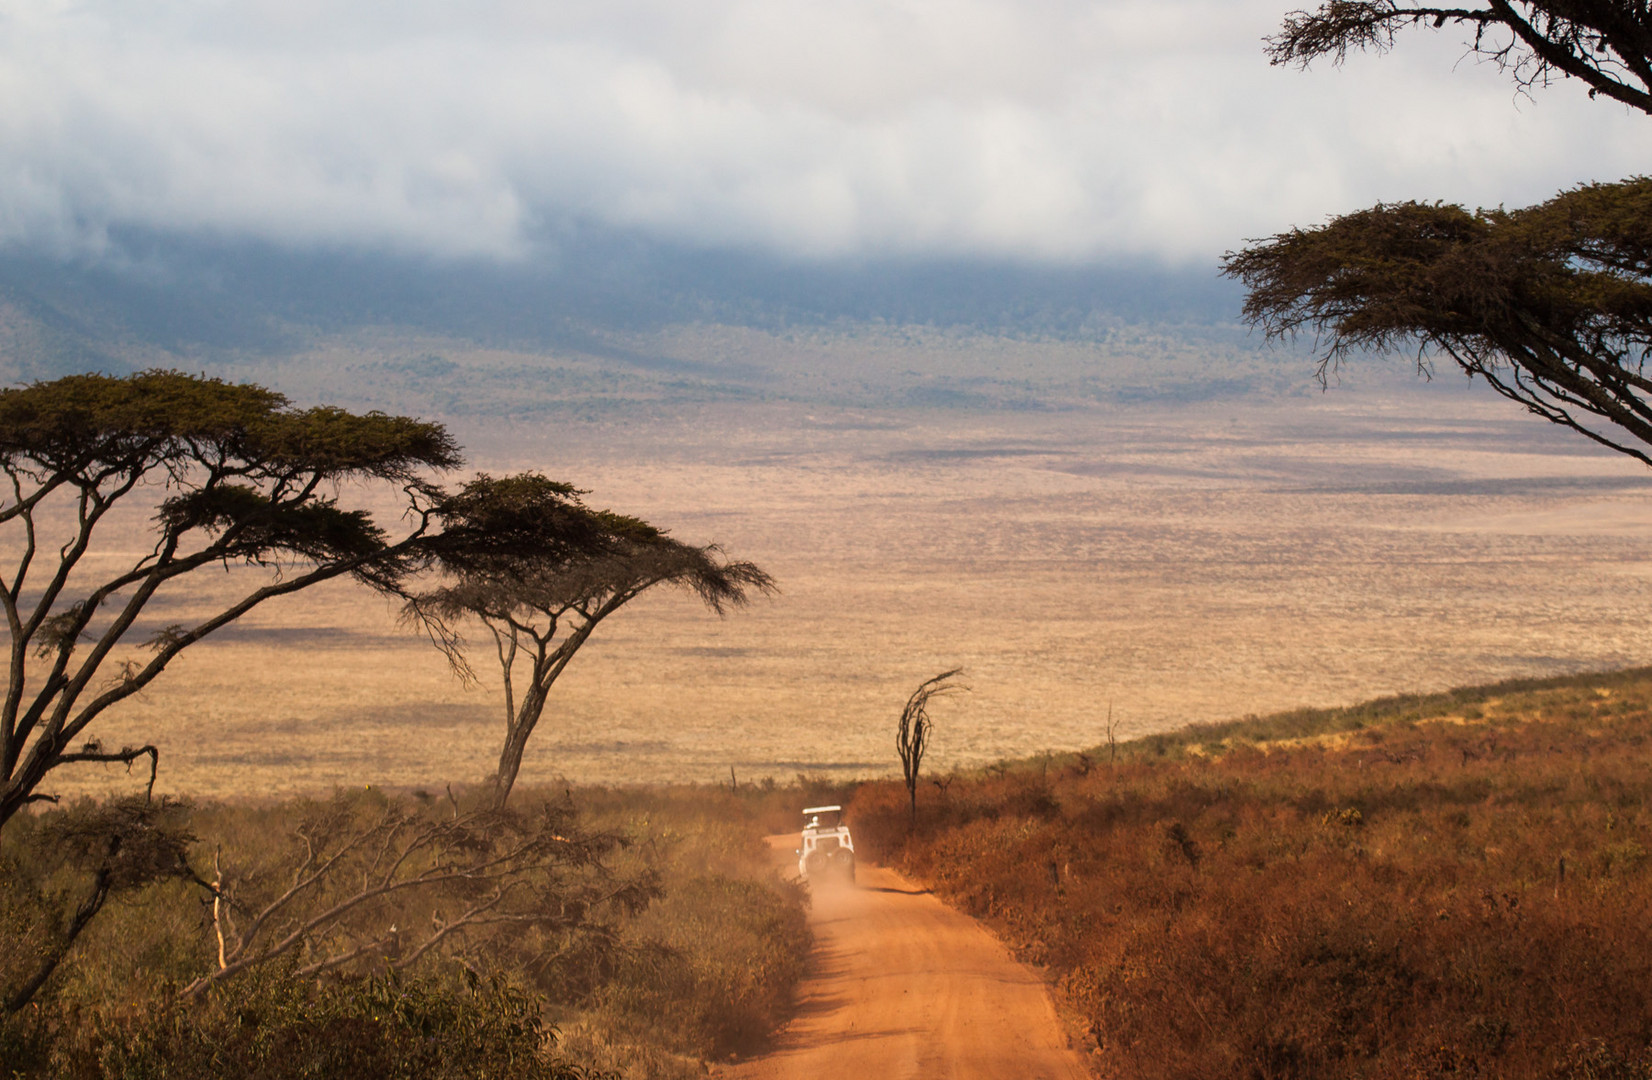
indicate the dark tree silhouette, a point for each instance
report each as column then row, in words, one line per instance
column 121, row 846
column 1550, row 305
column 539, row 612
column 1604, row 43
column 222, row 476
column 912, row 736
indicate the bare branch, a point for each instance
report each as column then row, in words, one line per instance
column 126, row 755
column 349, row 900
column 1603, row 43
column 913, row 733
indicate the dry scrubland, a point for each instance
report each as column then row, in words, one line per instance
column 676, row 944
column 1445, row 886
column 1439, row 886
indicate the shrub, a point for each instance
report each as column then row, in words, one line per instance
column 652, row 928
column 1423, row 898
column 711, row 968
column 271, row 1026
column 726, row 958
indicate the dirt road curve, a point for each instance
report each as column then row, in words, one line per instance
column 904, row 988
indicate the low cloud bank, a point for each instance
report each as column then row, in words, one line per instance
column 1059, row 132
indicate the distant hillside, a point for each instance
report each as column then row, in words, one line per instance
column 605, row 320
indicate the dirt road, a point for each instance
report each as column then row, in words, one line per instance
column 904, row 988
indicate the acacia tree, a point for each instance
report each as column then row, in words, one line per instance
column 1604, row 43
column 913, row 732
column 539, row 612
column 1550, row 305
column 234, row 476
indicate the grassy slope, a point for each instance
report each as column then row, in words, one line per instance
column 1444, row 886
column 1437, row 886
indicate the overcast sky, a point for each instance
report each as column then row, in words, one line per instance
column 1039, row 129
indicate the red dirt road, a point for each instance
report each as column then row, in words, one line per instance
column 902, row 987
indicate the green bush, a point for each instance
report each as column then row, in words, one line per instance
column 270, row 1026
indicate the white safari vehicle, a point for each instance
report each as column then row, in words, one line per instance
column 827, row 851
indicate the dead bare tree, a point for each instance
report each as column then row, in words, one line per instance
column 913, row 734
column 543, row 611
column 377, row 884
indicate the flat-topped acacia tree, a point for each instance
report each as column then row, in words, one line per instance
column 1550, row 305
column 1603, row 44
column 233, row 476
column 540, row 611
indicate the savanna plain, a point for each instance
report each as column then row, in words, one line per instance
column 1173, row 562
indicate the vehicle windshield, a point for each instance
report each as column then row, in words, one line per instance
column 822, row 817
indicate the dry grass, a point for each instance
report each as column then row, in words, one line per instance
column 703, row 970
column 1186, row 565
column 709, row 969
column 1427, row 894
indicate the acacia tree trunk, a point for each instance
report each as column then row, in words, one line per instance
column 516, row 734
column 510, row 757
column 55, row 954
column 548, row 665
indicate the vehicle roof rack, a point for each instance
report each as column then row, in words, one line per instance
column 820, row 809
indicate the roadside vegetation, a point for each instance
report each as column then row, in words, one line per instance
column 372, row 933
column 641, row 935
column 1451, row 885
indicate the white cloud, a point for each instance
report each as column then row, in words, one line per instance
column 1034, row 128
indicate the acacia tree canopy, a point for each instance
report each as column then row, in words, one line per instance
column 497, row 527
column 234, row 475
column 1604, row 43
column 1551, row 305
column 540, row 611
